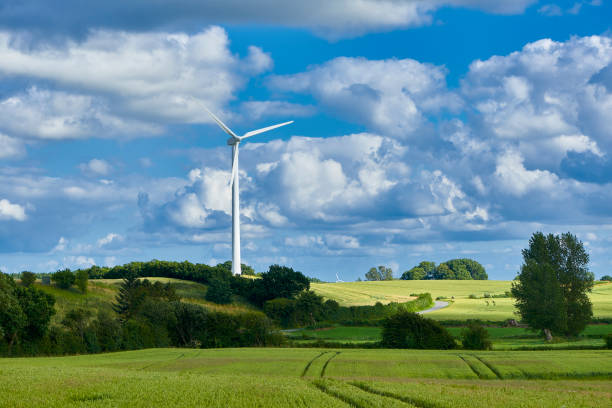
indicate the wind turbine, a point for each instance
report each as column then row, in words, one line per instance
column 234, row 141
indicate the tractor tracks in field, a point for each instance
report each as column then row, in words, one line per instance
column 481, row 367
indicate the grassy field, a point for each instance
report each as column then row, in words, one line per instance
column 254, row 377
column 460, row 308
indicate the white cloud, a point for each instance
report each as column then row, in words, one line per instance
column 108, row 239
column 44, row 114
column 517, row 180
column 390, row 96
column 334, row 241
column 96, row 166
column 10, row 211
column 10, row 147
column 550, row 10
column 154, row 77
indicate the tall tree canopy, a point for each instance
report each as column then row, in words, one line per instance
column 379, row 274
column 551, row 290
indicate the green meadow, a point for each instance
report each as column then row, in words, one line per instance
column 456, row 292
column 255, row 377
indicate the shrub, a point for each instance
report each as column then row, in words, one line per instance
column 473, row 296
column 219, row 291
column 487, row 295
column 410, row 330
column 27, row 278
column 45, row 279
column 608, row 339
column 64, row 278
column 475, row 337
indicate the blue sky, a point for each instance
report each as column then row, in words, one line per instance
column 424, row 130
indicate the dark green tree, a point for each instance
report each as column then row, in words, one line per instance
column 81, row 278
column 416, row 273
column 219, row 291
column 551, row 290
column 129, row 298
column 278, row 282
column 411, row 330
column 442, row 271
column 475, row 337
column 27, row 278
column 38, row 308
column 63, row 278
column 606, row 278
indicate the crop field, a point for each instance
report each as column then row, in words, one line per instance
column 254, row 377
column 460, row 308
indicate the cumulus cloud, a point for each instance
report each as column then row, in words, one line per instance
column 52, row 115
column 548, row 97
column 10, row 211
column 337, row 19
column 122, row 82
column 390, row 96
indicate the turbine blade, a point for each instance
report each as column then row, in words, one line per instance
column 221, row 124
column 234, row 165
column 258, row 131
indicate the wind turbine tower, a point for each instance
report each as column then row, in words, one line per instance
column 234, row 141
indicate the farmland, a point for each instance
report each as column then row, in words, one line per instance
column 460, row 308
column 254, row 377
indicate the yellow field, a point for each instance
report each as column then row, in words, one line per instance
column 461, row 307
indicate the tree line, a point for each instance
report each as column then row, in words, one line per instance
column 460, row 269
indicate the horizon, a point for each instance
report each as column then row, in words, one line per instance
column 426, row 130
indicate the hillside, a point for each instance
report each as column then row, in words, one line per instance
column 460, row 308
column 101, row 294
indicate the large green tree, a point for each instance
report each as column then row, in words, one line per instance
column 379, row 274
column 551, row 290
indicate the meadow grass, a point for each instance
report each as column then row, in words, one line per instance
column 256, row 377
column 460, row 308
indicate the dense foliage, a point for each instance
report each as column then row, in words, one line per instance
column 309, row 309
column 411, row 330
column 64, row 278
column 475, row 337
column 25, row 313
column 551, row 290
column 27, row 278
column 606, row 278
column 379, row 274
column 462, row 269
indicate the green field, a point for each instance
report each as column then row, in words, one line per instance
column 253, row 377
column 460, row 308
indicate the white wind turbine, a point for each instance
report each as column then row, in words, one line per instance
column 234, row 141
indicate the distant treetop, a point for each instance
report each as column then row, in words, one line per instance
column 461, row 269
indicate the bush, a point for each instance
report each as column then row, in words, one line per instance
column 475, row 337
column 410, row 330
column 219, row 291
column 608, row 339
column 64, row 278
column 606, row 278
column 27, row 278
column 473, row 296
column 487, row 295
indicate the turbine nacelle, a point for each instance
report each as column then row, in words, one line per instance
column 232, row 141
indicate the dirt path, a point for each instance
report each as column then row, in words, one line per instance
column 438, row 304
